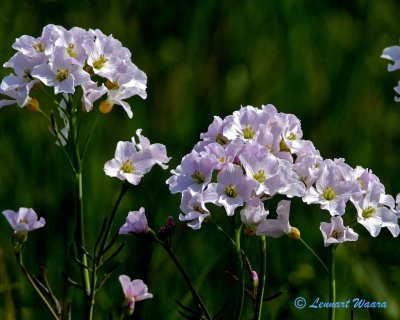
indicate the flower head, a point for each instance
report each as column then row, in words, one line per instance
column 278, row 227
column 24, row 220
column 134, row 290
column 335, row 232
column 136, row 223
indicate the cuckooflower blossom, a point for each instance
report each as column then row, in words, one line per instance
column 158, row 150
column 193, row 207
column 232, row 189
column 128, row 163
column 393, row 54
column 335, row 232
column 276, row 228
column 331, row 191
column 372, row 212
column 136, row 223
column 61, row 72
column 134, row 290
column 194, row 172
column 24, row 220
column 252, row 214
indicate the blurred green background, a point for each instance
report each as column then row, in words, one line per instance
column 316, row 59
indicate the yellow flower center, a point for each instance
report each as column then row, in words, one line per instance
column 100, row 62
column 283, row 146
column 127, row 166
column 62, row 74
column 231, row 191
column 221, row 139
column 70, row 50
column 329, row 194
column 198, row 177
column 248, row 132
column 369, row 212
column 38, row 47
column 260, row 176
column 112, row 85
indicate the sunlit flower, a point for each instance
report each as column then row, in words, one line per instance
column 158, row 150
column 276, row 228
column 193, row 207
column 335, row 232
column 232, row 188
column 61, row 72
column 129, row 164
column 24, row 220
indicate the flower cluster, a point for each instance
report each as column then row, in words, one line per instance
column 255, row 154
column 393, row 53
column 67, row 59
column 133, row 160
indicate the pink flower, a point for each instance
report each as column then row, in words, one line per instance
column 136, row 223
column 24, row 220
column 134, row 290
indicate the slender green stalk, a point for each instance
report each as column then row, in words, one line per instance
column 315, row 255
column 332, row 283
column 80, row 218
column 240, row 274
column 18, row 255
column 261, row 278
column 110, row 221
column 187, row 279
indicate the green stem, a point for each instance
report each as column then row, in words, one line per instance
column 332, row 283
column 110, row 221
column 80, row 224
column 18, row 255
column 240, row 275
column 261, row 278
column 187, row 279
column 80, row 219
column 315, row 255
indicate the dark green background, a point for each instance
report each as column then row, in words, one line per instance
column 316, row 59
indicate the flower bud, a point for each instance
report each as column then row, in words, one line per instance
column 106, row 106
column 32, row 104
column 294, row 233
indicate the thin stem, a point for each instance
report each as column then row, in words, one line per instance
column 89, row 136
column 332, row 283
column 18, row 255
column 315, row 255
column 261, row 277
column 187, row 279
column 110, row 221
column 224, row 233
column 240, row 275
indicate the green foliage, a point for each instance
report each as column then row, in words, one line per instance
column 316, row 59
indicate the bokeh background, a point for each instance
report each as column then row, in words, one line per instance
column 316, row 59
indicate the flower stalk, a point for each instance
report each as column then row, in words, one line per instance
column 240, row 275
column 332, row 282
column 262, row 277
column 18, row 255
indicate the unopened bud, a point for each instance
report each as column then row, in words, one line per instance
column 294, row 233
column 32, row 104
column 254, row 278
column 106, row 106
